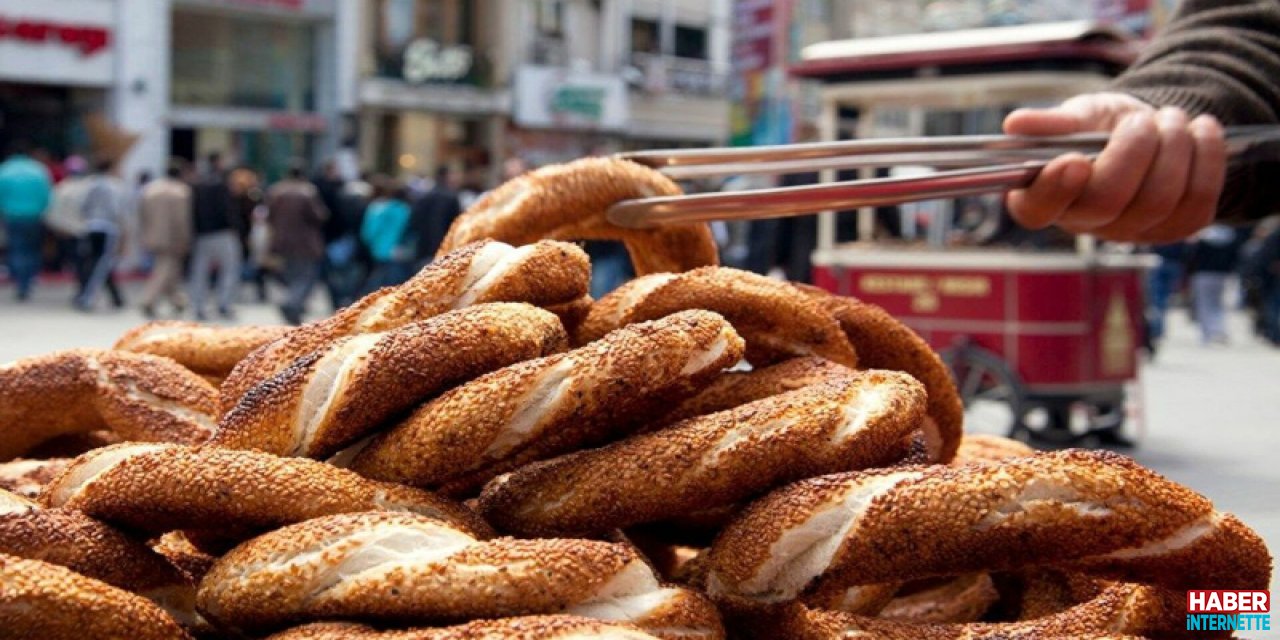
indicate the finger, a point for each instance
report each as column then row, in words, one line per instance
column 1208, row 171
column 1164, row 185
column 1042, row 122
column 1044, row 200
column 1117, row 173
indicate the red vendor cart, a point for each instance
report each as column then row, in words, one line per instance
column 1043, row 344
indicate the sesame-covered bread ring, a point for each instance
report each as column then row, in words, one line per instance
column 160, row 488
column 882, row 342
column 1083, row 510
column 140, row 397
column 28, row 477
column 49, row 602
column 777, row 320
column 851, row 422
column 540, row 408
column 72, row 539
column 1120, row 611
column 982, row 447
column 553, row 627
column 961, row 599
column 734, row 388
column 569, row 201
column 333, row 397
column 209, row 350
column 543, row 274
column 410, row 569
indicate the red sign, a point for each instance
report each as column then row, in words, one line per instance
column 1220, row 601
column 87, row 40
column 753, row 31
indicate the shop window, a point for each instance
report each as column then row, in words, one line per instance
column 645, row 36
column 691, row 42
column 550, row 18
column 426, row 41
column 225, row 60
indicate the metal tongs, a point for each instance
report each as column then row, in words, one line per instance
column 988, row 164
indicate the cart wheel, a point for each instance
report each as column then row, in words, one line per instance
column 993, row 396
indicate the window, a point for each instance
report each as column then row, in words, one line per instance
column 644, row 36
column 222, row 60
column 550, row 18
column 446, row 24
column 691, row 42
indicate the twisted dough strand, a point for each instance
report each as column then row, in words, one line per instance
column 1086, row 510
column 405, row 568
column 540, row 408
column 209, row 350
column 160, row 488
column 855, row 421
column 331, row 398
column 46, row 601
column 568, row 202
column 28, row 477
column 777, row 320
column 544, row 273
column 882, row 342
column 140, row 397
column 553, row 627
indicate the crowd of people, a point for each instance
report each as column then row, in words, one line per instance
column 205, row 233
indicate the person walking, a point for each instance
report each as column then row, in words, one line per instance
column 296, row 216
column 340, row 270
column 1211, row 259
column 25, row 192
column 166, row 227
column 1162, row 283
column 106, row 211
column 384, row 232
column 217, row 241
column 434, row 212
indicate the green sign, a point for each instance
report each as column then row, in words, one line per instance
column 582, row 101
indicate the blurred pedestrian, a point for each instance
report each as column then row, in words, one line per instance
column 217, row 241
column 246, row 197
column 66, row 214
column 434, row 212
column 25, row 191
column 1211, row 260
column 385, row 233
column 296, row 216
column 1162, row 283
column 166, row 228
column 107, row 206
column 340, row 243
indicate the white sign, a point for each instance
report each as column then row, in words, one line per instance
column 554, row 97
column 69, row 42
column 426, row 61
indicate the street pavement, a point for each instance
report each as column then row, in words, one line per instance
column 1212, row 414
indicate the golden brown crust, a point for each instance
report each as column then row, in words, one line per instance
column 542, row 274
column 209, row 350
column 981, row 447
column 882, row 342
column 42, row 600
column 346, row 566
column 140, row 397
column 184, row 555
column 568, row 202
column 160, row 488
column 777, row 321
column 540, row 408
column 850, row 422
column 331, row 398
column 28, row 477
column 1087, row 510
column 572, row 314
column 523, row 628
column 74, row 540
column 735, row 388
column 961, row 599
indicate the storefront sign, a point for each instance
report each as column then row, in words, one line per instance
column 66, row 42
column 558, row 98
column 426, row 61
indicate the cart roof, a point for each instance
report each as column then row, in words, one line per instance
column 1068, row 43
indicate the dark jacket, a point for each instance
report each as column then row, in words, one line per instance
column 330, row 192
column 432, row 216
column 1220, row 57
column 211, row 205
column 296, row 217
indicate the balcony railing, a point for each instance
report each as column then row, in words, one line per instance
column 668, row 74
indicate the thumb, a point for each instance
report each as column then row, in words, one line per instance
column 1055, row 121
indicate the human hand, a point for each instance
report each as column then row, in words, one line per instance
column 1157, row 181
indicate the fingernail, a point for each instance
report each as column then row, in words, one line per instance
column 1137, row 122
column 1171, row 118
column 1205, row 126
